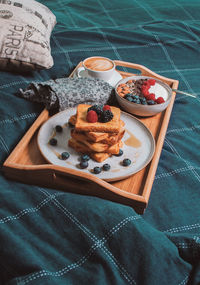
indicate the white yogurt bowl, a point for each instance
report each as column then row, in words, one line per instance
column 160, row 89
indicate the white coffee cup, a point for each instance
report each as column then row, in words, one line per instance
column 97, row 67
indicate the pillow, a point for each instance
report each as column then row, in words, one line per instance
column 25, row 30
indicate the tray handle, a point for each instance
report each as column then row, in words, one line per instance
column 144, row 71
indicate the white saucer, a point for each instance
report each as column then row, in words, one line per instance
column 112, row 81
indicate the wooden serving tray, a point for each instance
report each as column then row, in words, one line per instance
column 26, row 164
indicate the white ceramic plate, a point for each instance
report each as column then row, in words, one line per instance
column 139, row 146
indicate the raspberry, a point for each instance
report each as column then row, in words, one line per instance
column 92, row 116
column 106, row 107
column 145, row 92
column 151, row 82
column 160, row 100
column 151, row 96
column 145, row 89
column 146, row 83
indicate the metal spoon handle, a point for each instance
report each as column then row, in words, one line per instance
column 185, row 93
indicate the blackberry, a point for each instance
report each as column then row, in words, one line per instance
column 106, row 116
column 151, row 102
column 53, row 141
column 97, row 108
column 106, row 167
column 59, row 129
column 64, row 155
column 126, row 162
column 97, row 169
column 120, row 153
column 83, row 164
column 85, row 157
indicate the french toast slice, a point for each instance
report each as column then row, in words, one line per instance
column 110, row 139
column 88, row 147
column 79, row 147
column 99, row 136
column 82, row 124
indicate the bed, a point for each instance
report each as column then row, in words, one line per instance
column 50, row 236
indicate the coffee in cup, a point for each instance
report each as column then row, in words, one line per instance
column 98, row 63
column 98, row 67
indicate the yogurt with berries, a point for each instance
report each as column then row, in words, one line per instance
column 142, row 95
column 143, row 91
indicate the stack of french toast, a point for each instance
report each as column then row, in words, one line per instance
column 98, row 138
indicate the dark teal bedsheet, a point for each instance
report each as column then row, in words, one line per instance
column 53, row 237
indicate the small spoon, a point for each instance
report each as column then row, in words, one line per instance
column 185, row 93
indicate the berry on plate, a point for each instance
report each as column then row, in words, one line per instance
column 59, row 129
column 97, row 108
column 97, row 169
column 85, row 157
column 120, row 153
column 106, row 116
column 64, row 155
column 106, row 167
column 53, row 141
column 92, row 116
column 106, row 107
column 126, row 162
column 83, row 164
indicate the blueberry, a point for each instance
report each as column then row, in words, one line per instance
column 128, row 95
column 85, row 157
column 83, row 164
column 136, row 97
column 151, row 102
column 137, row 101
column 126, row 162
column 120, row 153
column 59, row 129
column 106, row 167
column 53, row 141
column 97, row 169
column 129, row 98
column 64, row 155
column 143, row 101
column 70, row 125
